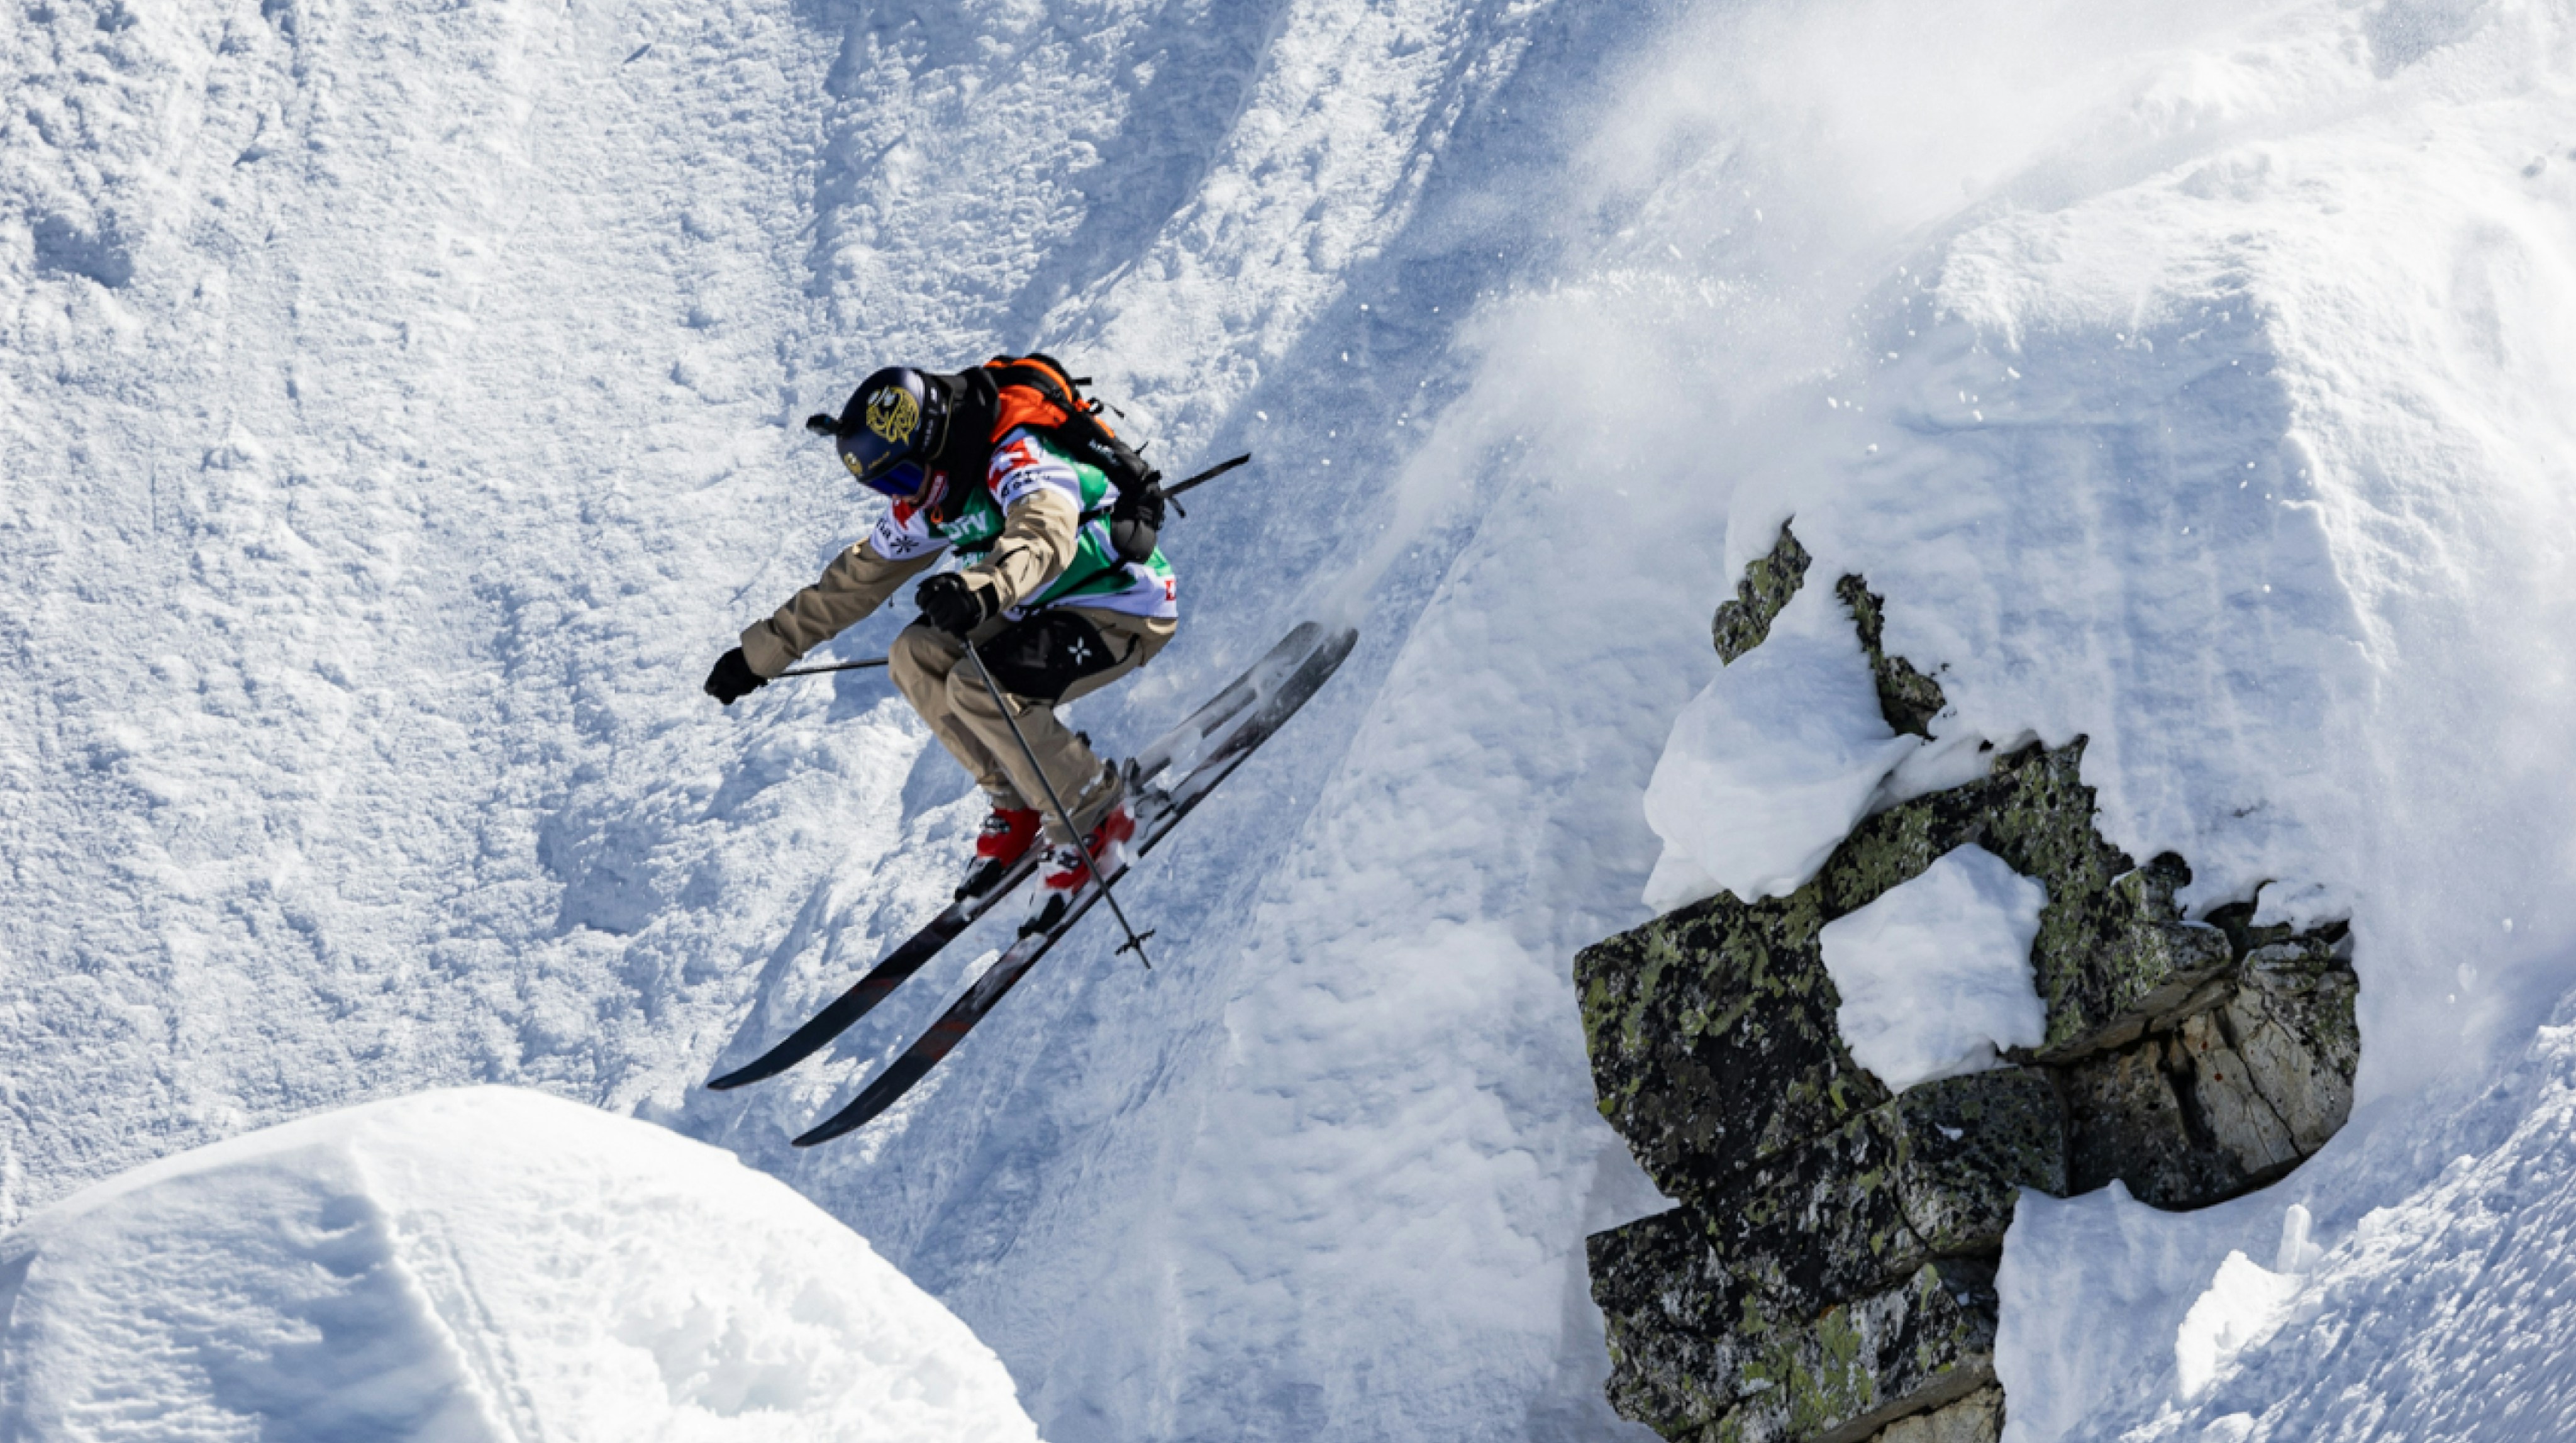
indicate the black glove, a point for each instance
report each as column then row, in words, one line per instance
column 733, row 679
column 951, row 605
column 1136, row 522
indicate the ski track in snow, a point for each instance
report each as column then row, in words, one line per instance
column 398, row 412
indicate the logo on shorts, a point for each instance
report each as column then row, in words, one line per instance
column 892, row 413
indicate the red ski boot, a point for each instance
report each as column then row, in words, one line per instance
column 1006, row 837
column 1065, row 872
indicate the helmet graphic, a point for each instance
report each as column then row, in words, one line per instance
column 891, row 431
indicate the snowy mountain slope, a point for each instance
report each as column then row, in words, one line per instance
column 476, row 1263
column 310, row 511
column 412, row 397
column 414, row 393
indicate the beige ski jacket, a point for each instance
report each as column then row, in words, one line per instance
column 1040, row 533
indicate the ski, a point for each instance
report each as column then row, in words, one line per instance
column 1157, row 811
column 881, row 980
column 862, row 997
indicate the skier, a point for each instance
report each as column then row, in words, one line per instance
column 1064, row 591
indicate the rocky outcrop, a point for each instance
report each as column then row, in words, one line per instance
column 1769, row 581
column 1906, row 697
column 2214, row 1102
column 1835, row 1280
column 1829, row 1273
column 1977, row 1418
column 1757, row 1375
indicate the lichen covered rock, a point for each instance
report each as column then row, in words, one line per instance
column 1964, row 1149
column 1907, row 697
column 1829, row 1273
column 1977, row 1418
column 2192, row 1062
column 1933, row 1173
column 1820, row 1222
column 1709, row 1309
column 2111, row 940
column 1711, row 1028
column 1769, row 582
column 1697, row 1357
column 1868, row 1362
column 2112, row 944
column 1711, row 1031
column 1676, row 1319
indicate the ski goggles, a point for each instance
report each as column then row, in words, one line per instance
column 902, row 481
column 881, row 468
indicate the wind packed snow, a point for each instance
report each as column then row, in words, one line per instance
column 1769, row 766
column 398, row 413
column 479, row 1263
column 1935, row 975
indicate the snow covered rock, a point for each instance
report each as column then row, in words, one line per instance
column 1713, row 1029
column 1771, row 764
column 483, row 1263
column 1825, row 1274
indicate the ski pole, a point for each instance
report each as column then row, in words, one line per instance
column 843, row 666
column 1135, row 943
column 1202, row 479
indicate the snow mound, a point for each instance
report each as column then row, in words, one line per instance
column 1935, row 975
column 2241, row 1310
column 1772, row 763
column 472, row 1264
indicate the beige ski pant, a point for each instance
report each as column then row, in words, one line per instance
column 929, row 666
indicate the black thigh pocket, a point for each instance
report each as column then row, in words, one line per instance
column 1047, row 653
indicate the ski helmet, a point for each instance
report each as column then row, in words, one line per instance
column 891, row 432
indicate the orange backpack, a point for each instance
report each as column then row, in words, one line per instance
column 1034, row 392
